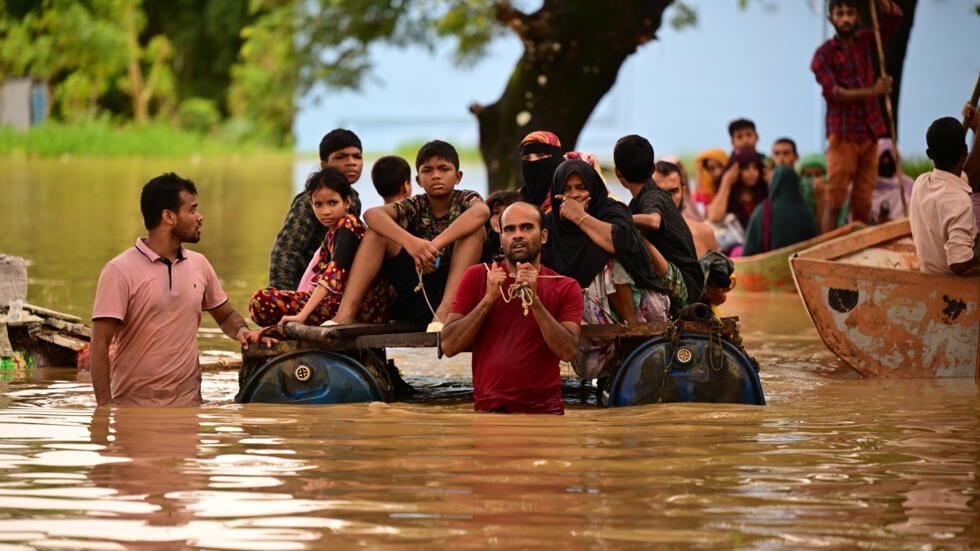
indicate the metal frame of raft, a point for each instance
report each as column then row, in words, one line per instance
column 679, row 361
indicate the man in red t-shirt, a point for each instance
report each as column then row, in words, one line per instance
column 520, row 319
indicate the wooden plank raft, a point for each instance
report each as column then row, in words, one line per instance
column 52, row 338
column 361, row 336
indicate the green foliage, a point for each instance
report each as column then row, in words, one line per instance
column 682, row 15
column 72, row 97
column 916, row 165
column 264, row 80
column 198, row 115
column 206, row 38
column 237, row 130
column 103, row 138
column 109, row 60
column 471, row 24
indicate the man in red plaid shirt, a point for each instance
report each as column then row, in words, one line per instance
column 845, row 71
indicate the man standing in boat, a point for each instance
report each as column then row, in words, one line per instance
column 845, row 72
column 150, row 299
column 521, row 319
column 944, row 228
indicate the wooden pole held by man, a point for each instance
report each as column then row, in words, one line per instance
column 888, row 107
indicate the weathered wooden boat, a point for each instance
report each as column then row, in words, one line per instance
column 684, row 361
column 883, row 317
column 769, row 271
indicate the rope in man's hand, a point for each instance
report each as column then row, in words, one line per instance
column 521, row 290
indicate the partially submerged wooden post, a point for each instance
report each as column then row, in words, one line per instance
column 13, row 279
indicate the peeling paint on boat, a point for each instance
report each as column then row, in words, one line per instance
column 884, row 319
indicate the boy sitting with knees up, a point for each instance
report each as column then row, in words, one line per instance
column 435, row 236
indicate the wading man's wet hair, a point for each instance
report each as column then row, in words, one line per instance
column 160, row 194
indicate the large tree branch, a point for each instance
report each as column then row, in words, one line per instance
column 511, row 17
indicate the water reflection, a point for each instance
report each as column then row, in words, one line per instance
column 135, row 455
column 830, row 462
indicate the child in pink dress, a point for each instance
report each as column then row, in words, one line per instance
column 319, row 295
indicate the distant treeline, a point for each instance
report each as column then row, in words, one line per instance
column 215, row 68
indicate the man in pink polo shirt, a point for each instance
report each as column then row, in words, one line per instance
column 150, row 299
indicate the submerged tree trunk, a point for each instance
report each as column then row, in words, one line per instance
column 572, row 55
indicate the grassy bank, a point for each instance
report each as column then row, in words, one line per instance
column 101, row 139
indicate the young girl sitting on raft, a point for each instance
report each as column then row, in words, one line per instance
column 320, row 290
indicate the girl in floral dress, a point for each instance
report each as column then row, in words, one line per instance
column 319, row 292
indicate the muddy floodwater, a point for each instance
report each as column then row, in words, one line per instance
column 833, row 461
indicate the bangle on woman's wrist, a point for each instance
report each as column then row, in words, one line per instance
column 579, row 223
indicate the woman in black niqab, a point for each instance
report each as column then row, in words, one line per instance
column 594, row 241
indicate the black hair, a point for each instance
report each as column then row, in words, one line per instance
column 667, row 168
column 437, row 148
column 837, row 3
column 789, row 141
column 160, row 194
column 503, row 198
column 337, row 139
column 739, row 124
column 329, row 178
column 946, row 140
column 389, row 174
column 633, row 156
column 759, row 162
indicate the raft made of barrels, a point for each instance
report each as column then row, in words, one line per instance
column 692, row 360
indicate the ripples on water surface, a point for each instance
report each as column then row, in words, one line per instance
column 832, row 462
